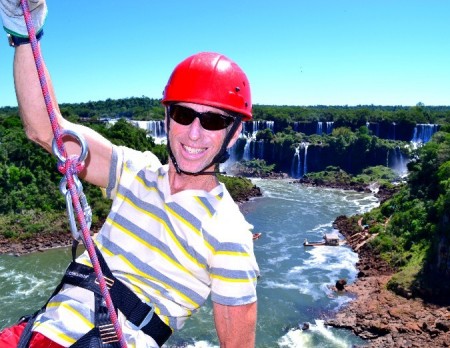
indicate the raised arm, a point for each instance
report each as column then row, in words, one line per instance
column 36, row 122
column 32, row 107
column 235, row 325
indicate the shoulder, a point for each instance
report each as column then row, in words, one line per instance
column 126, row 164
column 136, row 160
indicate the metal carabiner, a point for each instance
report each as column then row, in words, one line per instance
column 76, row 233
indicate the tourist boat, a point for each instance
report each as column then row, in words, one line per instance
column 329, row 239
column 256, row 235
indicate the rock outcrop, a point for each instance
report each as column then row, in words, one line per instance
column 380, row 316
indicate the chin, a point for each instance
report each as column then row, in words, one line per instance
column 195, row 168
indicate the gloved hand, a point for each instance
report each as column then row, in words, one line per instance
column 14, row 21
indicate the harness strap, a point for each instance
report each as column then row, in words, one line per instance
column 103, row 334
column 135, row 310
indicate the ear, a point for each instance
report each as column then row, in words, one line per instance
column 235, row 136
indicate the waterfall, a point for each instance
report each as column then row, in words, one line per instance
column 297, row 170
column 319, row 128
column 397, row 161
column 155, row 129
column 305, row 160
column 247, row 146
column 296, row 163
column 329, row 127
column 423, row 133
column 252, row 128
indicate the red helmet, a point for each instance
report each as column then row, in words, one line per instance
column 210, row 79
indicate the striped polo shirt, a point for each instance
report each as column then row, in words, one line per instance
column 172, row 250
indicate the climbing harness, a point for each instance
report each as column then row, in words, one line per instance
column 70, row 167
column 102, row 334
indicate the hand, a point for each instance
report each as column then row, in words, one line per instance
column 13, row 20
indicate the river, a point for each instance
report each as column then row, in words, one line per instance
column 294, row 287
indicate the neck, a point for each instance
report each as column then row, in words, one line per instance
column 180, row 181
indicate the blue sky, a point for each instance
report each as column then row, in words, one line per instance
column 295, row 52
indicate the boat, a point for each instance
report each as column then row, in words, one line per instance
column 256, row 235
column 329, row 239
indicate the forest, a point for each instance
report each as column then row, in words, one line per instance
column 415, row 241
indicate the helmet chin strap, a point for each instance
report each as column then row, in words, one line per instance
column 220, row 157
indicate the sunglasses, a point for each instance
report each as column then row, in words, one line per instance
column 209, row 120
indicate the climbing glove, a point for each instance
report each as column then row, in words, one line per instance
column 14, row 21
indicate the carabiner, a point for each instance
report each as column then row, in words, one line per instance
column 76, row 234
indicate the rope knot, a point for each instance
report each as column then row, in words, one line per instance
column 71, row 165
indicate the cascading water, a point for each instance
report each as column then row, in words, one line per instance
column 270, row 125
column 155, row 129
column 423, row 133
column 397, row 161
column 319, row 128
column 296, row 163
column 330, row 127
column 299, row 168
column 247, row 155
column 305, row 161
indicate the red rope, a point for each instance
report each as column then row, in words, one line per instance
column 70, row 169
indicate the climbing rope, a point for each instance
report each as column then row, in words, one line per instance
column 70, row 167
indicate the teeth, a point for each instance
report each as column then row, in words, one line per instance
column 193, row 150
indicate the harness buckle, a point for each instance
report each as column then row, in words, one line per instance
column 109, row 282
column 108, row 333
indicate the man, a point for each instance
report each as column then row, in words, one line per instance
column 173, row 236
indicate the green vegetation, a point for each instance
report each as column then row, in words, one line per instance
column 254, row 168
column 335, row 176
column 413, row 226
column 239, row 187
column 355, row 116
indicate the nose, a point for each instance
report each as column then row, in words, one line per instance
column 195, row 129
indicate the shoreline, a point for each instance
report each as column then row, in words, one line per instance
column 38, row 243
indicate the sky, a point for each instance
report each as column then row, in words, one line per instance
column 294, row 52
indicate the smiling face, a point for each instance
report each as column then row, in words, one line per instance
column 193, row 146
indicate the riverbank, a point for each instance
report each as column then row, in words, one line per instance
column 380, row 316
column 39, row 242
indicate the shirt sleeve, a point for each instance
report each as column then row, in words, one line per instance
column 233, row 267
column 124, row 157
